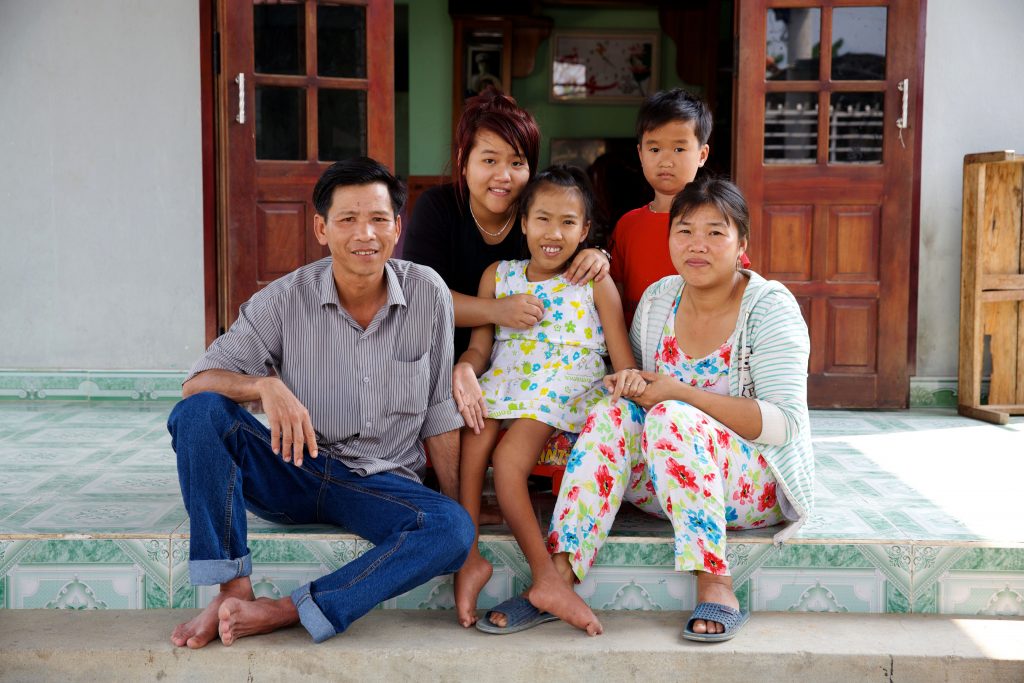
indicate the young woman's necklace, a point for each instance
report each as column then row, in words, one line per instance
column 479, row 227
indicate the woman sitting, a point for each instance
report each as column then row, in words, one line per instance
column 715, row 436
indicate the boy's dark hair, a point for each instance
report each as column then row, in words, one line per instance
column 562, row 176
column 357, row 171
column 707, row 190
column 676, row 104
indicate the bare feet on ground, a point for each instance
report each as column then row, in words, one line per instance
column 240, row 618
column 203, row 628
column 552, row 594
column 469, row 581
column 711, row 588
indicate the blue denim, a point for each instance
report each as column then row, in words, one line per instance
column 225, row 466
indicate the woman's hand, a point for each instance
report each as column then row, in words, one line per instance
column 626, row 383
column 468, row 397
column 660, row 388
column 589, row 264
column 518, row 311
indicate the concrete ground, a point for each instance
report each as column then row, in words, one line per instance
column 391, row 645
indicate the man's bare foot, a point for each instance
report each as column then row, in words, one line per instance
column 203, row 628
column 240, row 618
column 469, row 581
column 551, row 594
column 712, row 588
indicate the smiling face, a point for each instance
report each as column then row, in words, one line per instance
column 555, row 225
column 670, row 156
column 705, row 246
column 495, row 175
column 360, row 229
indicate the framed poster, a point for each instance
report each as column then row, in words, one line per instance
column 603, row 66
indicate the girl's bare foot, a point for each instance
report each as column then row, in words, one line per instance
column 203, row 628
column 712, row 588
column 469, row 581
column 240, row 618
column 551, row 594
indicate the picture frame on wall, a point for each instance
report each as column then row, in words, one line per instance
column 483, row 67
column 614, row 67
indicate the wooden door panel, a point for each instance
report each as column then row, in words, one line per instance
column 280, row 233
column 831, row 184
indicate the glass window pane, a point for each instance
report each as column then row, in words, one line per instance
column 858, row 43
column 280, row 123
column 855, row 121
column 341, row 41
column 342, row 124
column 280, row 39
column 792, row 44
column 791, row 128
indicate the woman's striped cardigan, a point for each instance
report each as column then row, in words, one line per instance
column 769, row 365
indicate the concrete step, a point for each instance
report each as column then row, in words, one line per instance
column 392, row 645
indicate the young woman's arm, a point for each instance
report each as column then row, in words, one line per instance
column 474, row 361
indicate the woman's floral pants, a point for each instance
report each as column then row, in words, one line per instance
column 674, row 462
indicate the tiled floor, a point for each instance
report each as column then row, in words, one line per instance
column 916, row 511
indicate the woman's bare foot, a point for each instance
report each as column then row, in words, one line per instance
column 203, row 628
column 240, row 618
column 551, row 594
column 712, row 588
column 469, row 581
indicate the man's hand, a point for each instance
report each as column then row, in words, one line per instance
column 518, row 311
column 468, row 397
column 589, row 264
column 290, row 427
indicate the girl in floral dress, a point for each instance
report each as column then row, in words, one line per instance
column 537, row 380
column 717, row 439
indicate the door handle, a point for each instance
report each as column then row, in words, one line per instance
column 901, row 123
column 240, row 80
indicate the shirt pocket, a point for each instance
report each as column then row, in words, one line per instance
column 408, row 385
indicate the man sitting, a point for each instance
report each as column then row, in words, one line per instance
column 361, row 349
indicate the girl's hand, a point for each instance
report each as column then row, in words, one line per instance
column 626, row 383
column 468, row 397
column 518, row 311
column 660, row 388
column 589, row 264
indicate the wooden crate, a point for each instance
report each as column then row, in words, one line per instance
column 992, row 285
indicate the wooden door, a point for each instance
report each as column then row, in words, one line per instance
column 831, row 175
column 301, row 84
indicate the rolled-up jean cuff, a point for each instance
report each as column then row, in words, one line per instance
column 210, row 572
column 310, row 615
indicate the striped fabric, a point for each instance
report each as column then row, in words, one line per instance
column 372, row 394
column 769, row 365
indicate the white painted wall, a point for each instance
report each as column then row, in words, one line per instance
column 973, row 102
column 100, row 187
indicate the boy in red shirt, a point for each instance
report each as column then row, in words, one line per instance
column 672, row 131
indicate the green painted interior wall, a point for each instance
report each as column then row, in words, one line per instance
column 430, row 83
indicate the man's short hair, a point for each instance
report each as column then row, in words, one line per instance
column 357, row 171
column 666, row 106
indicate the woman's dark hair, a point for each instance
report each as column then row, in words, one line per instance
column 720, row 193
column 565, row 177
column 666, row 106
column 357, row 171
column 499, row 114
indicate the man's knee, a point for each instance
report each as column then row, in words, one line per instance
column 204, row 406
column 454, row 522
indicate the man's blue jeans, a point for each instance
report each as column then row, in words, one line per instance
column 225, row 466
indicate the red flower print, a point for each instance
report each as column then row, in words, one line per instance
column 607, row 452
column 725, row 469
column 604, row 481
column 762, row 462
column 767, row 499
column 650, row 487
column 637, row 468
column 616, row 415
column 686, row 478
column 574, row 493
column 605, row 509
column 552, row 541
column 588, row 424
column 744, row 492
column 707, row 494
column 710, row 476
column 670, row 350
column 722, row 436
column 643, row 441
column 711, row 444
column 759, row 522
column 713, row 564
column 665, row 445
column 726, row 355
column 658, row 409
column 622, row 446
column 668, row 507
column 579, row 556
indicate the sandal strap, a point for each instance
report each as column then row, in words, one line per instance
column 713, row 611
